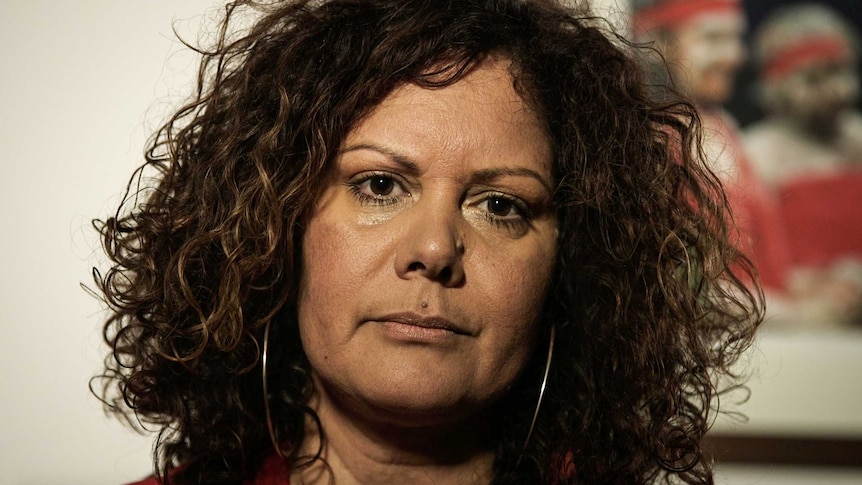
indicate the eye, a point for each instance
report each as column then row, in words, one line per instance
column 505, row 212
column 381, row 185
column 500, row 207
column 377, row 188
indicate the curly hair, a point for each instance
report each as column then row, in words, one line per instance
column 647, row 299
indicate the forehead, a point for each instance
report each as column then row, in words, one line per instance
column 710, row 24
column 481, row 115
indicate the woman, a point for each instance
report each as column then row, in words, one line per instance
column 394, row 243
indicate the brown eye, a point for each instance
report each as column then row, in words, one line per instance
column 381, row 185
column 378, row 188
column 499, row 206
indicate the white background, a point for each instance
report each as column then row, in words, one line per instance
column 83, row 85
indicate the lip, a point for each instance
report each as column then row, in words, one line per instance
column 429, row 323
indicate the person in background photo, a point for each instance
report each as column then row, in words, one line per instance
column 391, row 242
column 698, row 50
column 808, row 151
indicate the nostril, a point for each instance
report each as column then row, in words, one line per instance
column 445, row 274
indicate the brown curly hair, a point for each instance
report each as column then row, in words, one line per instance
column 205, row 248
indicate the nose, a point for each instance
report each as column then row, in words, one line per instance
column 431, row 245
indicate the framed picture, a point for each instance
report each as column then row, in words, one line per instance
column 804, row 404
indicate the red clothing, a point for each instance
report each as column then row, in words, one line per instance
column 273, row 472
column 762, row 236
column 822, row 216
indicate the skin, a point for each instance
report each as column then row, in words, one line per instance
column 706, row 53
column 438, row 208
column 817, row 95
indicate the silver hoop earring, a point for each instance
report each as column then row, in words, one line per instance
column 541, row 393
column 267, row 411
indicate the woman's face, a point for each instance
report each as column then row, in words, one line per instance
column 426, row 263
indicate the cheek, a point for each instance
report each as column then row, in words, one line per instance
column 514, row 315
column 329, row 262
column 322, row 256
column 337, row 256
column 339, row 261
column 519, row 287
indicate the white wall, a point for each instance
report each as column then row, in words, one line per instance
column 78, row 78
column 803, row 383
column 84, row 82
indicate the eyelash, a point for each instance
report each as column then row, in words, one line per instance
column 357, row 190
column 521, row 209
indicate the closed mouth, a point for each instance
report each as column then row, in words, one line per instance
column 424, row 322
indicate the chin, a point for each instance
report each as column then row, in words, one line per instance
column 418, row 408
column 416, row 401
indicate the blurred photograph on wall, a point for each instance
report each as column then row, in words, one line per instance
column 805, row 146
column 777, row 85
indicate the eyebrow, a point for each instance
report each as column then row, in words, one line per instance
column 489, row 174
column 407, row 164
column 480, row 176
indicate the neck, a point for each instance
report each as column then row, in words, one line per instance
column 358, row 449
